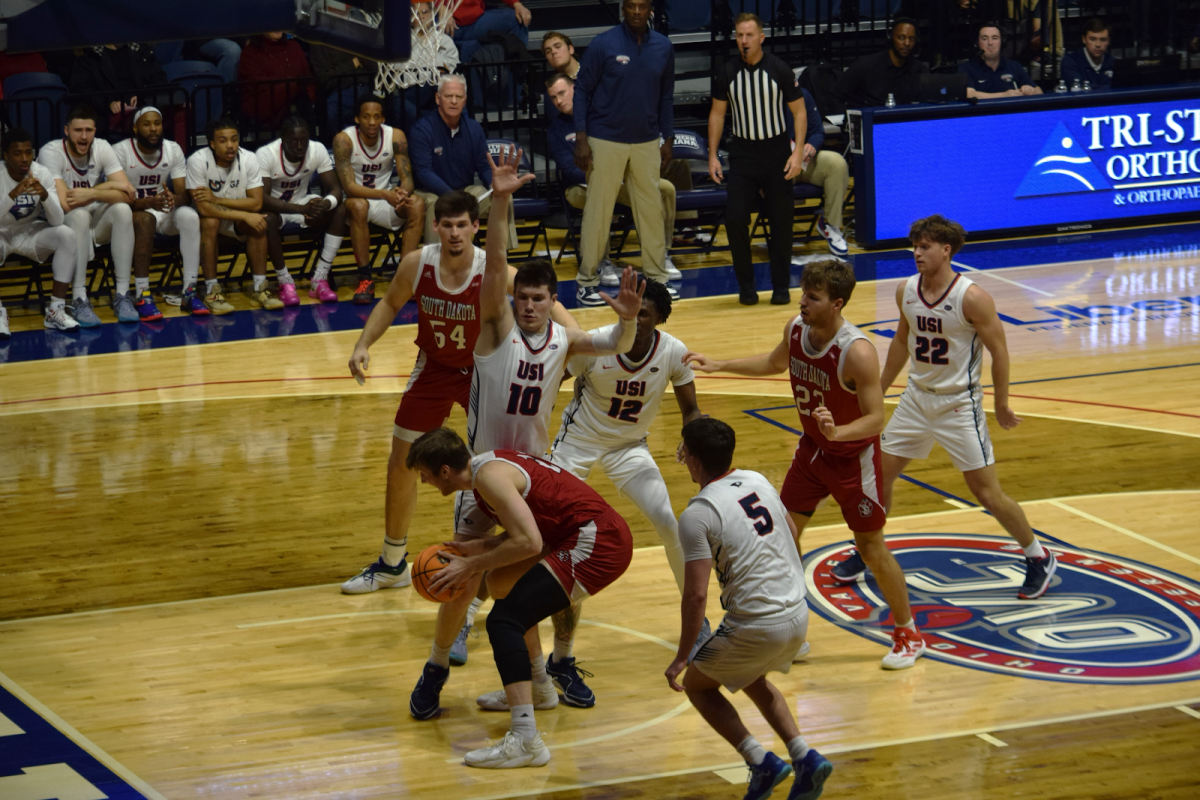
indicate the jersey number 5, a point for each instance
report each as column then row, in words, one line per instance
column 626, row 411
column 762, row 518
column 456, row 335
column 932, row 355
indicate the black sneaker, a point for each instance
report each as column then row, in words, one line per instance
column 850, row 570
column 364, row 293
column 425, row 700
column 568, row 678
column 1038, row 572
column 781, row 297
column 748, row 297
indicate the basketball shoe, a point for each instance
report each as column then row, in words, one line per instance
column 378, row 576
column 217, row 302
column 569, row 680
column 123, row 308
column 907, row 647
column 425, row 701
column 364, row 293
column 509, row 753
column 458, row 650
column 766, row 776
column 81, row 309
column 811, row 773
column 146, row 308
column 1038, row 572
column 849, row 569
column 321, row 290
column 834, row 237
column 610, row 274
column 287, row 294
column 265, row 298
column 544, row 698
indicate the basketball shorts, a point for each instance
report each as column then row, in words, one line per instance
column 298, row 219
column 164, row 221
column 380, row 212
column 24, row 240
column 593, row 557
column 229, row 228
column 621, row 464
column 854, row 482
column 101, row 222
column 740, row 651
column 955, row 421
column 433, row 389
column 469, row 520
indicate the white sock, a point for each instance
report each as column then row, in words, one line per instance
column 283, row 276
column 538, row 668
column 563, row 649
column 752, row 751
column 142, row 285
column 394, row 551
column 523, row 723
column 79, row 292
column 321, row 273
column 330, row 247
column 57, row 302
column 440, row 656
column 476, row 604
column 798, row 748
column 259, row 282
column 1035, row 550
column 211, row 285
column 911, row 625
column 122, row 285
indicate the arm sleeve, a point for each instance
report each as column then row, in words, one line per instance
column 420, row 153
column 816, row 127
column 590, row 69
column 666, row 99
column 196, row 177
column 253, row 174
column 608, row 340
column 696, row 523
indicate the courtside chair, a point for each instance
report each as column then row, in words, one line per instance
column 35, row 102
column 204, row 87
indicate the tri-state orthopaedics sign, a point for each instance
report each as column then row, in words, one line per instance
column 1068, row 168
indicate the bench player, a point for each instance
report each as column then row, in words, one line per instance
column 520, row 358
column 27, row 191
column 365, row 156
column 737, row 523
column 288, row 165
column 157, row 170
column 834, row 372
column 946, row 320
column 95, row 196
column 561, row 541
column 226, row 185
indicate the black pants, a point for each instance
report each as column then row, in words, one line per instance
column 755, row 167
column 535, row 597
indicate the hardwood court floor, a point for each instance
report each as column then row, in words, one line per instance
column 190, row 541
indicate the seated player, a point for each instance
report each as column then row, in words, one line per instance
column 288, row 165
column 738, row 524
column 157, row 169
column 27, row 191
column 561, row 542
column 365, row 156
column 95, row 196
column 226, row 185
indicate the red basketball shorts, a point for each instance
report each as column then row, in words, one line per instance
column 593, row 557
column 433, row 389
column 854, row 481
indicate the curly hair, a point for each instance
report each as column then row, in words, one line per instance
column 658, row 294
column 940, row 230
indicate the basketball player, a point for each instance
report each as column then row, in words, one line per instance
column 834, row 371
column 227, row 186
column 946, row 320
column 157, row 169
column 520, row 358
column 288, row 165
column 95, row 196
column 365, row 156
column 27, row 191
column 738, row 524
column 561, row 541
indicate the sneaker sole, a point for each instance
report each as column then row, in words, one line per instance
column 912, row 663
column 819, row 777
column 573, row 703
column 780, row 778
column 545, row 705
column 848, row 579
column 457, row 661
column 540, row 760
column 423, row 715
column 405, row 580
column 1045, row 584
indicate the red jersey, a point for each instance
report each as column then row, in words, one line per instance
column 447, row 321
column 560, row 502
column 816, row 379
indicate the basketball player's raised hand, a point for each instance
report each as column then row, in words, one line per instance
column 505, row 179
column 701, row 362
column 824, row 418
column 1007, row 418
column 628, row 301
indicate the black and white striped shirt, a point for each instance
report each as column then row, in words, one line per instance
column 757, row 95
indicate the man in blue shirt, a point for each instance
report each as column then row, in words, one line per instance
column 824, row 168
column 624, row 100
column 448, row 150
column 991, row 75
column 1093, row 63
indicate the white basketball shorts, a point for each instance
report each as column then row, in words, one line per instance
column 955, row 421
column 741, row 651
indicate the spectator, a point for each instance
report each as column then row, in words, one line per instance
column 225, row 53
column 1092, row 63
column 118, row 73
column 561, row 143
column 279, row 67
column 827, row 169
column 991, row 75
column 341, row 78
column 762, row 91
column 449, row 150
column 625, row 131
column 473, row 21
column 895, row 71
column 560, row 54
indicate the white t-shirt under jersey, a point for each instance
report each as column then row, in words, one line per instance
column 230, row 183
column 739, row 521
column 16, row 214
column 290, row 181
column 947, row 355
column 101, row 164
column 373, row 166
column 150, row 175
column 616, row 399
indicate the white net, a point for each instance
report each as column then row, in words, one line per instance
column 428, row 26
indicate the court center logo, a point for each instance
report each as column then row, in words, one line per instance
column 1103, row 620
column 1063, row 167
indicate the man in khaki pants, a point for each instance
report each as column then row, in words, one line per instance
column 623, row 108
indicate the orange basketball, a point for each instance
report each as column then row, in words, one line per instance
column 428, row 564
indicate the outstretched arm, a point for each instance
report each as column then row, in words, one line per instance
column 494, row 309
column 980, row 311
column 619, row 338
column 761, row 365
column 399, row 292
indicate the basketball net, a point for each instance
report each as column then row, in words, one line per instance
column 421, row 69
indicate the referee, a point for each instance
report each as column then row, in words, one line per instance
column 761, row 89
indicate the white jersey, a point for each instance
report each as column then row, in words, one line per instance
column 615, row 399
column 739, row 521
column 101, row 164
column 290, row 181
column 513, row 392
column 373, row 166
column 230, row 183
column 151, row 175
column 17, row 214
column 947, row 356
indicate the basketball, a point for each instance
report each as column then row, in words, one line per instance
column 428, row 564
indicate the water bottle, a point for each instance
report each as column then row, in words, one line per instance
column 1061, row 88
column 1076, row 86
column 1087, row 86
column 891, row 101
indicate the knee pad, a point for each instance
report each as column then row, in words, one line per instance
column 507, row 634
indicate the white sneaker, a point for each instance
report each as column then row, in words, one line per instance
column 801, row 654
column 545, row 697
column 4, row 331
column 375, row 577
column 609, row 274
column 907, row 647
column 509, row 753
column 837, row 242
column 672, row 273
column 58, row 319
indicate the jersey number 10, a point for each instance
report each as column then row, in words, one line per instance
column 524, row 400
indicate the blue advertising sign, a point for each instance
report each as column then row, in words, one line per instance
column 1060, row 163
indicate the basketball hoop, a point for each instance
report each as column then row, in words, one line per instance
column 421, row 69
